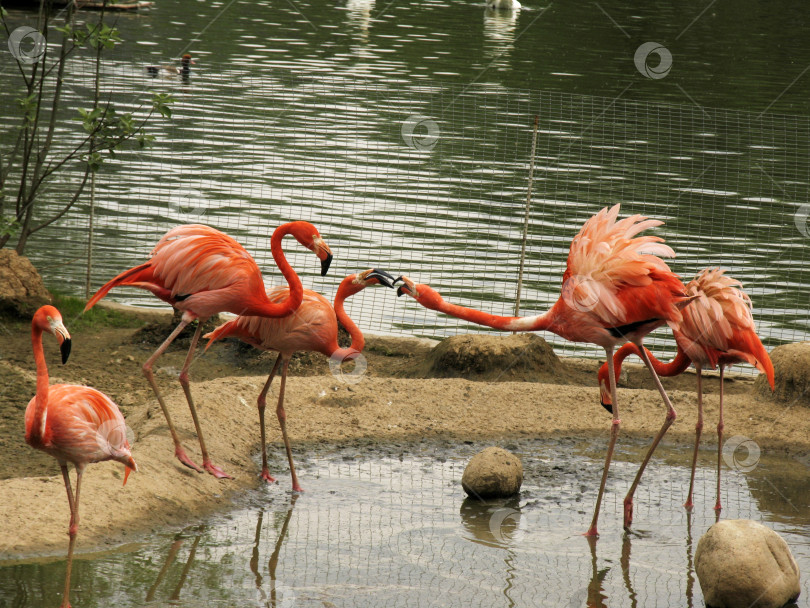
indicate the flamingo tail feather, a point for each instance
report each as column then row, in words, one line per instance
column 128, row 277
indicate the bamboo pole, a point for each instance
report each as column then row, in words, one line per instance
column 526, row 217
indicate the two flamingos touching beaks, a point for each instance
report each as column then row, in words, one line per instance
column 615, row 289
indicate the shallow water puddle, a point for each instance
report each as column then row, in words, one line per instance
column 389, row 526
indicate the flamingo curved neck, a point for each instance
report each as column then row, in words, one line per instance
column 358, row 341
column 263, row 307
column 536, row 323
column 36, row 431
column 673, row 368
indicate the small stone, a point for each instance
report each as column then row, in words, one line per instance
column 492, row 473
column 742, row 564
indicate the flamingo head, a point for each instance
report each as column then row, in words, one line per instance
column 306, row 234
column 361, row 280
column 49, row 319
column 604, row 388
column 424, row 294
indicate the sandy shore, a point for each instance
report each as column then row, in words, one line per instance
column 383, row 406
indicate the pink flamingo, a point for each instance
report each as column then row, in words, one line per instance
column 717, row 329
column 72, row 423
column 615, row 289
column 313, row 327
column 202, row 272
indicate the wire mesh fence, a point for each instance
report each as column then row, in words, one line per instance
column 390, row 527
column 430, row 181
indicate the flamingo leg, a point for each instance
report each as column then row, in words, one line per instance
column 179, row 452
column 614, row 433
column 178, row 542
column 184, row 382
column 698, row 430
column 670, row 418
column 282, row 421
column 261, row 402
column 73, row 529
column 186, row 568
column 720, row 426
column 69, row 490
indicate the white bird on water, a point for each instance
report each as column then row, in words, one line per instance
column 503, row 4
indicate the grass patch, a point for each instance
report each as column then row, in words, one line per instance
column 72, row 309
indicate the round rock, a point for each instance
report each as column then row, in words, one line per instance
column 742, row 564
column 492, row 473
column 791, row 366
column 484, row 357
column 21, row 287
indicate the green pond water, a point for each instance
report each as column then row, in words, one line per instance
column 390, row 526
column 403, row 131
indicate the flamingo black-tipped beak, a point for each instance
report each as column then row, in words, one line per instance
column 325, row 263
column 407, row 287
column 64, row 348
column 383, row 277
column 607, row 406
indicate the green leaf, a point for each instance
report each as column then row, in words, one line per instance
column 94, row 160
column 9, row 227
column 28, row 105
column 160, row 103
column 102, row 35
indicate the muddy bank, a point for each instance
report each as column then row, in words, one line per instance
column 392, row 402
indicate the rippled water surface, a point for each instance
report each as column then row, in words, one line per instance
column 390, row 527
column 403, row 130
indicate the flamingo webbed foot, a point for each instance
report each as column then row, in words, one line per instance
column 181, row 455
column 592, row 532
column 297, row 488
column 267, row 477
column 215, row 470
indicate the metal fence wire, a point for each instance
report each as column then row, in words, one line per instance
column 396, row 530
column 430, row 180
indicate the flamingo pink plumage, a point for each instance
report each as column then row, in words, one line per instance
column 72, row 423
column 313, row 327
column 202, row 272
column 717, row 329
column 615, row 289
